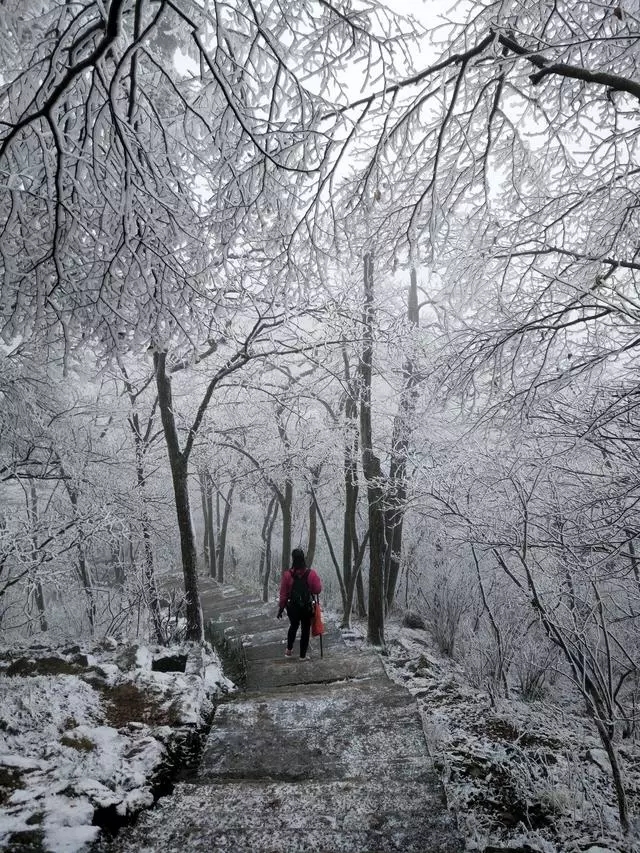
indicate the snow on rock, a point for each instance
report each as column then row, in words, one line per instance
column 21, row 761
column 214, row 678
column 599, row 849
column 144, row 657
column 69, row 838
column 85, row 733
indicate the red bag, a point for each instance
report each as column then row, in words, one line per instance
column 317, row 625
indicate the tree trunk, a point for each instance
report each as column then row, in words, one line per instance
column 286, row 506
column 346, row 592
column 313, row 518
column 179, row 471
column 361, row 601
column 140, row 443
column 352, row 550
column 222, row 538
column 202, row 479
column 286, row 497
column 616, row 773
column 81, row 564
column 313, row 533
column 347, row 546
column 265, row 553
column 211, row 533
column 372, row 472
column 351, row 490
column 150, row 584
column 32, row 512
column 397, row 493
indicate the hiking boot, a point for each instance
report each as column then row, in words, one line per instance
column 287, row 653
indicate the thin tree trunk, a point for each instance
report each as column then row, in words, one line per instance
column 140, row 443
column 332, row 554
column 351, row 490
column 32, row 511
column 313, row 517
column 286, row 497
column 81, row 564
column 119, row 558
column 372, row 472
column 265, row 553
column 150, row 583
column 202, row 480
column 211, row 533
column 361, row 600
column 286, row 506
column 313, row 533
column 263, row 536
column 222, row 538
column 179, row 471
column 397, row 493
column 347, row 546
column 346, row 590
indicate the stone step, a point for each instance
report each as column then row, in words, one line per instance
column 377, row 815
column 275, row 642
column 323, row 731
column 265, row 674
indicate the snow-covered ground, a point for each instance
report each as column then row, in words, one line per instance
column 530, row 777
column 88, row 734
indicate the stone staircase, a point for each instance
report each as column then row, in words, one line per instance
column 326, row 756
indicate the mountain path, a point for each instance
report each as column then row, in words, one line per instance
column 325, row 756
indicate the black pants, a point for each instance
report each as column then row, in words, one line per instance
column 297, row 619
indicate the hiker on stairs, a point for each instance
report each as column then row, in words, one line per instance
column 298, row 586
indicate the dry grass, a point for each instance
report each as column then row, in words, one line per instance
column 126, row 703
column 42, row 666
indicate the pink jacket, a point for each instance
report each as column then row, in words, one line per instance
column 314, row 582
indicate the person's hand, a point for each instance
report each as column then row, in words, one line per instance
column 280, row 612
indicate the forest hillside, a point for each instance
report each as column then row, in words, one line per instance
column 351, row 276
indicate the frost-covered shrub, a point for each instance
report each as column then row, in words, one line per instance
column 534, row 664
column 449, row 597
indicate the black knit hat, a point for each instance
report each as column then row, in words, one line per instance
column 297, row 559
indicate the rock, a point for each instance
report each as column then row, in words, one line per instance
column 98, row 671
column 600, row 758
column 170, row 663
column 414, row 620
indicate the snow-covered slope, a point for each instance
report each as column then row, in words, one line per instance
column 90, row 736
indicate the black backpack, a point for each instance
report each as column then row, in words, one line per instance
column 300, row 598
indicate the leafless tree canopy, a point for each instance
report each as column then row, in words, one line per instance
column 144, row 146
